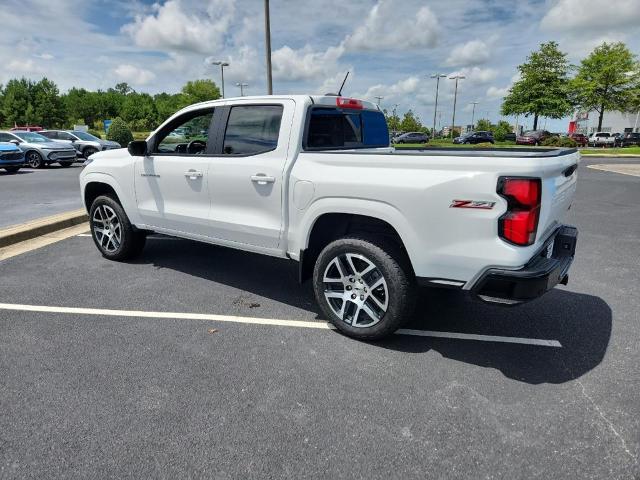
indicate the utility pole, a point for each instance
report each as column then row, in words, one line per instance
column 379, row 98
column 222, row 65
column 437, row 76
column 267, row 42
column 455, row 98
column 473, row 114
column 242, row 85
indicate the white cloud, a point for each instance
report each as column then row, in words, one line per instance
column 474, row 52
column 494, row 93
column 390, row 27
column 591, row 14
column 133, row 75
column 390, row 92
column 476, row 75
column 44, row 56
column 174, row 26
column 24, row 67
column 290, row 64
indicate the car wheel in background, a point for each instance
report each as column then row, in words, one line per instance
column 65, row 164
column 364, row 286
column 12, row 169
column 34, row 159
column 112, row 231
column 87, row 152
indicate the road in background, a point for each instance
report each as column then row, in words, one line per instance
column 35, row 193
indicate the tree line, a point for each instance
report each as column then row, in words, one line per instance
column 608, row 79
column 27, row 102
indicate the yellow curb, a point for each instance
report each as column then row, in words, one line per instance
column 41, row 226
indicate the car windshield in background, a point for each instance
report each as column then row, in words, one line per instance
column 529, row 132
column 85, row 136
column 32, row 137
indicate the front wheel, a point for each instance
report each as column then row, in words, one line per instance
column 112, row 231
column 87, row 152
column 364, row 286
column 34, row 160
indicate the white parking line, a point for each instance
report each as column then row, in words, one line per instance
column 266, row 321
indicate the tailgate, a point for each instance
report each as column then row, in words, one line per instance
column 558, row 188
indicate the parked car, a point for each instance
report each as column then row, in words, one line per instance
column 365, row 222
column 85, row 143
column 630, row 139
column 38, row 150
column 580, row 138
column 510, row 137
column 412, row 137
column 617, row 139
column 532, row 137
column 11, row 157
column 602, row 139
column 475, row 137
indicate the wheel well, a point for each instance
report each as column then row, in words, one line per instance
column 94, row 189
column 332, row 226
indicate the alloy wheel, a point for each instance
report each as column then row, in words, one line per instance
column 34, row 159
column 107, row 228
column 356, row 290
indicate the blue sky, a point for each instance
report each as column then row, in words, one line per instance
column 389, row 46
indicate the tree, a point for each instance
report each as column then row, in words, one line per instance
column 48, row 107
column 543, row 88
column 81, row 105
column 199, row 91
column 483, row 125
column 17, row 107
column 167, row 104
column 393, row 120
column 123, row 88
column 120, row 132
column 501, row 130
column 139, row 111
column 410, row 123
column 607, row 80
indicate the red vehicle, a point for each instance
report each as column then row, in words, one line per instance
column 532, row 137
column 27, row 128
column 580, row 138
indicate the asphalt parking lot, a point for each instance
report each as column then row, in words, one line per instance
column 97, row 385
column 35, row 193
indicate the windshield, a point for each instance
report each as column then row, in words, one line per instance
column 530, row 132
column 85, row 136
column 31, row 137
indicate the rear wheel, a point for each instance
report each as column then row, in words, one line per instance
column 112, row 231
column 65, row 164
column 87, row 152
column 34, row 159
column 12, row 169
column 364, row 286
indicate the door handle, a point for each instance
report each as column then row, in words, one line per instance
column 262, row 179
column 193, row 174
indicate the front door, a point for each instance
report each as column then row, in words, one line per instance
column 172, row 181
column 246, row 177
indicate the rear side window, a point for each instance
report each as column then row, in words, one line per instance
column 252, row 129
column 334, row 128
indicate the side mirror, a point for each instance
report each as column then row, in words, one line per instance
column 15, row 142
column 137, row 148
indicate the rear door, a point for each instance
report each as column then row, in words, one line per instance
column 172, row 181
column 247, row 177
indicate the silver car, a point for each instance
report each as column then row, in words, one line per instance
column 39, row 150
column 85, row 143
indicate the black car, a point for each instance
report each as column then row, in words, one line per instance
column 629, row 139
column 412, row 137
column 475, row 137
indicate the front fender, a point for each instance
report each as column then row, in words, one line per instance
column 126, row 197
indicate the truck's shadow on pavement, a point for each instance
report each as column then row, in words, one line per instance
column 581, row 323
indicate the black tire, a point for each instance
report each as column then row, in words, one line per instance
column 34, row 159
column 394, row 266
column 12, row 169
column 88, row 151
column 131, row 242
column 65, row 164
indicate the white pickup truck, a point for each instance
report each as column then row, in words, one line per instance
column 313, row 179
column 602, row 139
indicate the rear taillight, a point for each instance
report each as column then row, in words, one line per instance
column 351, row 103
column 519, row 224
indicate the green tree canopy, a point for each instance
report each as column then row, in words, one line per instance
column 139, row 111
column 48, row 107
column 199, row 91
column 483, row 125
column 17, row 107
column 543, row 88
column 410, row 123
column 608, row 79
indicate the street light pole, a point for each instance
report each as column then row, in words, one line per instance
column 437, row 76
column 379, row 98
column 242, row 85
column 222, row 65
column 473, row 114
column 267, row 42
column 455, row 98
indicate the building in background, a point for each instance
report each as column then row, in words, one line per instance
column 612, row 122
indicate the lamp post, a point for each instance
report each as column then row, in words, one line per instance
column 473, row 114
column 455, row 98
column 437, row 76
column 222, row 65
column 242, row 85
column 379, row 98
column 267, row 43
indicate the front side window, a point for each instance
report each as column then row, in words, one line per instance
column 66, row 136
column 31, row 137
column 187, row 135
column 5, row 137
column 252, row 129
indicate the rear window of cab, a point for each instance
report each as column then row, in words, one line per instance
column 330, row 128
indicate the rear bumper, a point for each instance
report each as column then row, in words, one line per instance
column 544, row 271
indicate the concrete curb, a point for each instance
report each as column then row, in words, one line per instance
column 610, row 155
column 41, row 226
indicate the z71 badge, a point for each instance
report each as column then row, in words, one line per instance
column 472, row 204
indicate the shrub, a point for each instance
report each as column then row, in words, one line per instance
column 120, row 132
column 95, row 133
column 483, row 145
column 550, row 142
column 560, row 142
